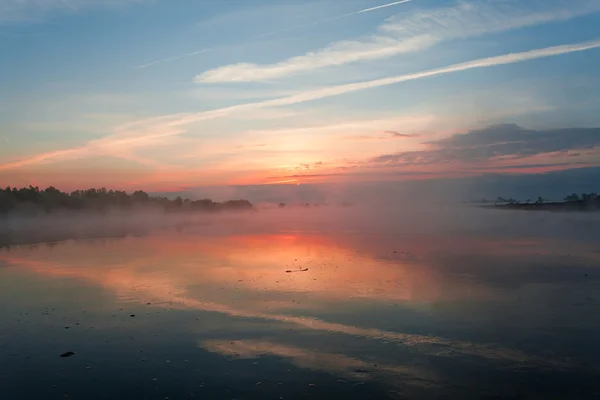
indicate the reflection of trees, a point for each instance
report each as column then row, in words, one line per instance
column 52, row 199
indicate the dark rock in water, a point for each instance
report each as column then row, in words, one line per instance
column 132, row 315
column 67, row 354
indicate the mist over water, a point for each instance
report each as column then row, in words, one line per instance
column 426, row 301
column 401, row 219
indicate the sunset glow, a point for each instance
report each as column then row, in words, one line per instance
column 306, row 92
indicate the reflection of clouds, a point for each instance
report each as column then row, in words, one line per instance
column 252, row 269
column 186, row 273
column 339, row 364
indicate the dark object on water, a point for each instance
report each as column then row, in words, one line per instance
column 298, row 270
column 132, row 315
column 67, row 354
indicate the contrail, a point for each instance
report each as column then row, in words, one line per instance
column 378, row 7
column 264, row 35
column 337, row 90
column 173, row 58
column 339, row 17
column 171, row 121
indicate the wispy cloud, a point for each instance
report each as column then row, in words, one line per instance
column 265, row 35
column 374, row 126
column 121, row 145
column 502, row 143
column 405, row 34
column 401, row 135
column 150, row 131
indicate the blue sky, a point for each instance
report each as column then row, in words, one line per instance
column 169, row 94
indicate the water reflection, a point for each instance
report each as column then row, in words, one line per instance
column 363, row 308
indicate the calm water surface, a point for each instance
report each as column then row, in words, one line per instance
column 363, row 313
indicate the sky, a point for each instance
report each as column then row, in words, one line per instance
column 172, row 95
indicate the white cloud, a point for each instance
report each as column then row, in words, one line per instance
column 154, row 131
column 410, row 33
column 293, row 28
column 407, row 124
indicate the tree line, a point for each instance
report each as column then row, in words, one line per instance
column 32, row 199
column 574, row 197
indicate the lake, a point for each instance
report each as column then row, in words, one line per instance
column 482, row 305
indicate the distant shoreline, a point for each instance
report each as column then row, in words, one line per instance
column 562, row 206
column 33, row 201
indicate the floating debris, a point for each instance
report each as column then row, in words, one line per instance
column 298, row 270
column 132, row 315
column 67, row 354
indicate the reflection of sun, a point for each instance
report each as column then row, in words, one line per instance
column 339, row 267
column 255, row 263
column 190, row 272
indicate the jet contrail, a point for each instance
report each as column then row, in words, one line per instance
column 317, row 94
column 166, row 122
column 378, row 7
column 264, row 35
column 173, row 58
column 343, row 16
